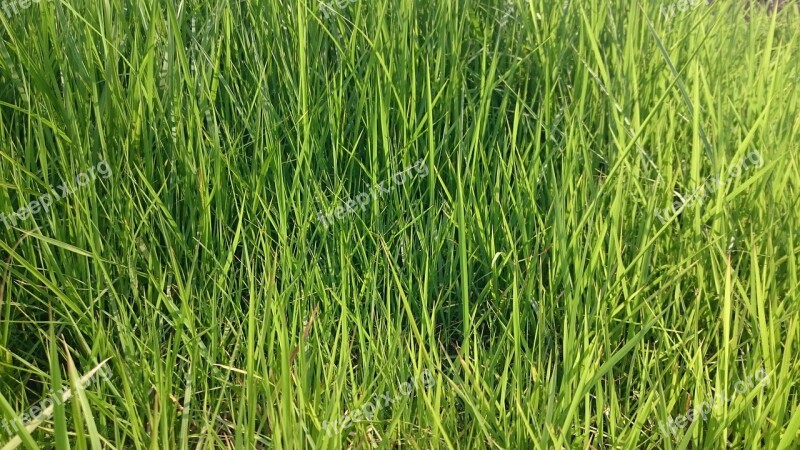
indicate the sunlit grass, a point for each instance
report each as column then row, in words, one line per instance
column 526, row 271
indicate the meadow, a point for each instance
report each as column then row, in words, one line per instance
column 429, row 224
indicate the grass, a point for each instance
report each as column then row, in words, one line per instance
column 527, row 273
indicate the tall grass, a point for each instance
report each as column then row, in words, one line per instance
column 528, row 272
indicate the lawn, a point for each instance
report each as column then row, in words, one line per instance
column 432, row 224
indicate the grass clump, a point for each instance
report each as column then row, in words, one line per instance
column 523, row 293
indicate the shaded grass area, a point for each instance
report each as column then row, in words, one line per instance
column 527, row 272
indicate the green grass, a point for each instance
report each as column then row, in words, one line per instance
column 527, row 272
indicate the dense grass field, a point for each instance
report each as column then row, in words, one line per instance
column 394, row 224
